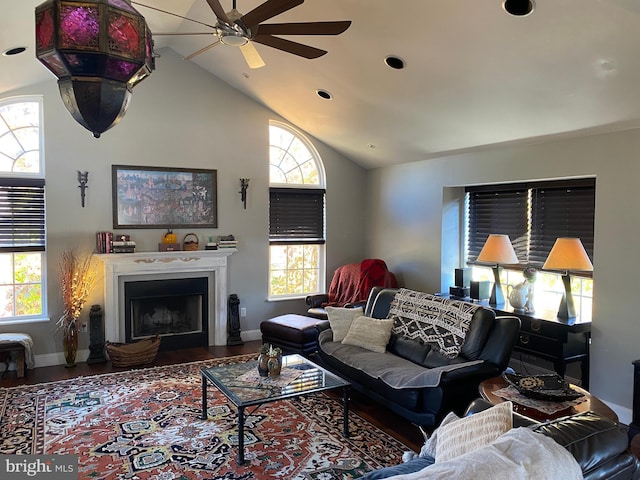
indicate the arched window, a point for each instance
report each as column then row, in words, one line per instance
column 296, row 215
column 22, row 239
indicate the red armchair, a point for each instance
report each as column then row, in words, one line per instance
column 350, row 286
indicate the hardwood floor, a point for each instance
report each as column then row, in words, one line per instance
column 384, row 419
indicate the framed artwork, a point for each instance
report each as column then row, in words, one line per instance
column 158, row 197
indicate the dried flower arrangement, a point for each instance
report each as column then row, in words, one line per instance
column 77, row 279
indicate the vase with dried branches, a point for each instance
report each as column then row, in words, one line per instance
column 77, row 279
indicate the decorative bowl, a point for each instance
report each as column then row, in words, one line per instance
column 549, row 387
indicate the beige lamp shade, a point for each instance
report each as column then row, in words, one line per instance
column 568, row 254
column 498, row 249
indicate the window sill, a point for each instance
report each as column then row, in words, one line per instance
column 284, row 299
column 24, row 321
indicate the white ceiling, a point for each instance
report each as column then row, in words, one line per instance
column 474, row 75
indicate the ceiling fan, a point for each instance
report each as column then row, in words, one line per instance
column 238, row 30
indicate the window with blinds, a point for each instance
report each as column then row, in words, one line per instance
column 296, row 215
column 22, row 211
column 533, row 215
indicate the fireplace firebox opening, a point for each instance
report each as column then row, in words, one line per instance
column 174, row 309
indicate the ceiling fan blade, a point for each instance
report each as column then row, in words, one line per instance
column 185, row 33
column 267, row 10
column 202, row 50
column 173, row 14
column 251, row 55
column 218, row 11
column 304, row 28
column 288, row 46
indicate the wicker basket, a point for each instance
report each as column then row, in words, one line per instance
column 190, row 242
column 139, row 352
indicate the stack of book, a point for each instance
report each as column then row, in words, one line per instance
column 123, row 246
column 227, row 241
column 107, row 243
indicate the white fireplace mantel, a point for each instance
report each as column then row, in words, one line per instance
column 118, row 267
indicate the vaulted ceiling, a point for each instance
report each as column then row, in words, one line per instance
column 474, row 75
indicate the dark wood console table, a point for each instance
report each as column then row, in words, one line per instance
column 545, row 336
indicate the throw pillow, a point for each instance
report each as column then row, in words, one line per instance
column 429, row 447
column 340, row 320
column 370, row 333
column 473, row 432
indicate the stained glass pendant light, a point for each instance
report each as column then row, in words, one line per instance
column 99, row 50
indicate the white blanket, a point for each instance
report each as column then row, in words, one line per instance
column 26, row 341
column 519, row 454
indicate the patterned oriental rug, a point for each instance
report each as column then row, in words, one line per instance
column 146, row 423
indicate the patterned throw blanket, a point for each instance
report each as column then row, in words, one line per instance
column 438, row 321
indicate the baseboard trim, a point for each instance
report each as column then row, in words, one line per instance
column 625, row 414
column 251, row 335
column 51, row 359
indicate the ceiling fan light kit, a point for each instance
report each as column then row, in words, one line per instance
column 99, row 50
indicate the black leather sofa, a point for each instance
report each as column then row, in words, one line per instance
column 484, row 354
column 598, row 444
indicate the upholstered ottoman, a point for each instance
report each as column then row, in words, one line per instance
column 293, row 333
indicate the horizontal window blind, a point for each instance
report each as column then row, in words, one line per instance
column 500, row 212
column 296, row 215
column 561, row 212
column 534, row 215
column 22, row 215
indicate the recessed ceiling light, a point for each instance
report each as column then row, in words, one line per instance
column 518, row 8
column 394, row 62
column 14, row 51
column 324, row 94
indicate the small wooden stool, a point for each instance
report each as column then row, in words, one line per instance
column 14, row 346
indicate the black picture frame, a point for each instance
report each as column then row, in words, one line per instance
column 162, row 197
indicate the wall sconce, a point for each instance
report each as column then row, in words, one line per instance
column 83, row 179
column 244, row 186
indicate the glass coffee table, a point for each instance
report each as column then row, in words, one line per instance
column 242, row 385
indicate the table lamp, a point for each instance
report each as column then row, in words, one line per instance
column 497, row 249
column 568, row 254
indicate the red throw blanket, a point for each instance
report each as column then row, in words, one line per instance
column 352, row 283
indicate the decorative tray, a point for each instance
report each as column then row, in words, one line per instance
column 549, row 387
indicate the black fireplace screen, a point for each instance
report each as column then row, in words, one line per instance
column 175, row 309
column 172, row 315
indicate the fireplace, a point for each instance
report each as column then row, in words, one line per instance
column 176, row 310
column 179, row 269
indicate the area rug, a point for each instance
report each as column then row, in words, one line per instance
column 146, row 423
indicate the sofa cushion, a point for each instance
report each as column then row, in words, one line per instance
column 340, row 319
column 370, row 333
column 438, row 321
column 413, row 350
column 393, row 370
column 470, row 433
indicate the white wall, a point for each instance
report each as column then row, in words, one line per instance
column 182, row 116
column 407, row 216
